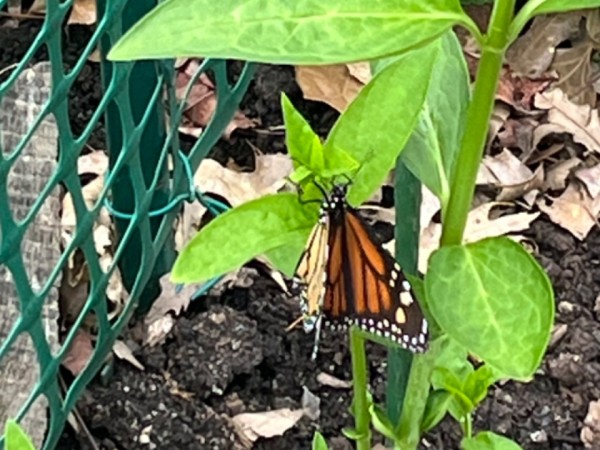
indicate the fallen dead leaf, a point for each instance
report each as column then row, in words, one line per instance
column 123, row 352
column 479, row 226
column 267, row 424
column 590, row 177
column 79, row 353
column 590, row 433
column 201, row 101
column 564, row 116
column 337, row 84
column 574, row 210
column 311, row 404
column 532, row 53
column 507, row 169
column 329, row 380
column 159, row 321
column 95, row 162
column 557, row 174
column 83, row 13
column 518, row 91
column 574, row 65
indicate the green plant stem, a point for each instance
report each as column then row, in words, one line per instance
column 362, row 419
column 478, row 117
column 468, row 427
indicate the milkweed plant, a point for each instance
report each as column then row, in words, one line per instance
column 488, row 301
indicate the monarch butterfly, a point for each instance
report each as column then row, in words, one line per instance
column 346, row 278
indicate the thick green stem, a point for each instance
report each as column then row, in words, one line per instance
column 362, row 419
column 478, row 117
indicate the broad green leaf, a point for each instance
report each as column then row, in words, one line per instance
column 436, row 409
column 319, row 442
column 303, row 144
column 430, row 152
column 419, row 289
column 16, row 438
column 285, row 257
column 495, row 300
column 452, row 357
column 536, row 7
column 377, row 124
column 489, row 441
column 552, row 6
column 284, row 32
column 235, row 237
column 382, row 423
column 461, row 404
column 477, row 384
column 307, row 152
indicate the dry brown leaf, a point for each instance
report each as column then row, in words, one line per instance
column 532, row 54
column 79, row 353
column 83, row 12
column 574, row 210
column 479, row 226
column 202, row 102
column 590, row 433
column 574, row 65
column 122, row 351
column 337, row 84
column 329, row 380
column 557, row 174
column 38, row 7
column 518, row 91
column 516, row 191
column 267, row 424
column 95, row 162
column 171, row 299
column 507, row 169
column 574, row 68
column 565, row 116
column 590, row 177
column 311, row 404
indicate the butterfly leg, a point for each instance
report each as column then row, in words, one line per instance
column 318, row 324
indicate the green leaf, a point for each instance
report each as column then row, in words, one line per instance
column 447, row 380
column 307, row 152
column 382, row 423
column 489, row 441
column 495, row 300
column 477, row 384
column 536, row 7
column 319, row 442
column 377, row 124
column 16, row 438
column 284, row 32
column 235, row 237
column 432, row 148
column 285, row 257
column 436, row 409
column 351, row 434
column 303, row 144
column 552, row 6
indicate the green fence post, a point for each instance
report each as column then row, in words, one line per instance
column 407, row 192
column 142, row 83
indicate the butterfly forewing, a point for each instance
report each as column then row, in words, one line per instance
column 366, row 287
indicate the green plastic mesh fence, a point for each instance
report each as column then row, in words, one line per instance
column 67, row 236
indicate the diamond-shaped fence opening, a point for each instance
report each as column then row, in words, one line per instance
column 87, row 199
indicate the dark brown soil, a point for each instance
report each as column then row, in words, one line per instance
column 231, row 354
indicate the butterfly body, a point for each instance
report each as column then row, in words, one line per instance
column 347, row 278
